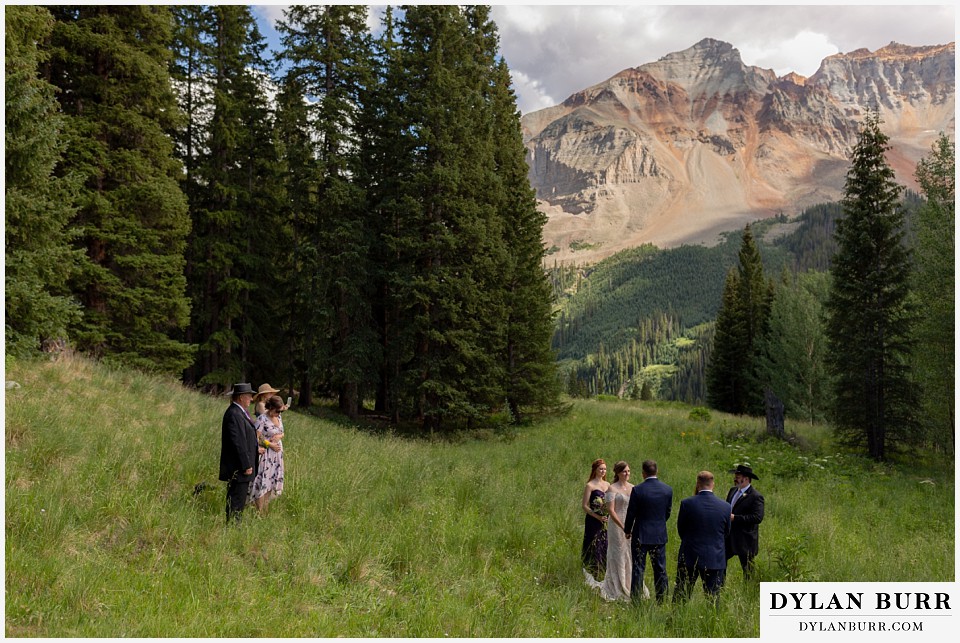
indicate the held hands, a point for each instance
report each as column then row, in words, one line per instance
column 248, row 471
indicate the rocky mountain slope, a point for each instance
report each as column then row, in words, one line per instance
column 696, row 143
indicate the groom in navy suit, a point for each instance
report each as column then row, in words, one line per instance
column 703, row 523
column 646, row 527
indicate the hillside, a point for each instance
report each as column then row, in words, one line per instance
column 377, row 536
column 678, row 150
column 648, row 306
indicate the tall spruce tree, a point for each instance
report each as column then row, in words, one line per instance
column 734, row 383
column 531, row 379
column 111, row 65
column 385, row 150
column 192, row 73
column 793, row 355
column 228, row 188
column 446, row 229
column 935, row 289
column 298, row 171
column 39, row 258
column 756, row 299
column 869, row 321
column 328, row 53
column 726, row 371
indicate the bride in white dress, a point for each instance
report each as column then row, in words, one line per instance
column 616, row 583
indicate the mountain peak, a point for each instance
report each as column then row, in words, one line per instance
column 710, row 67
column 708, row 50
column 893, row 51
column 697, row 142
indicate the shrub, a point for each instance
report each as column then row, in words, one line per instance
column 699, row 414
column 789, row 559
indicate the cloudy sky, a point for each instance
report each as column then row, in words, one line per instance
column 556, row 49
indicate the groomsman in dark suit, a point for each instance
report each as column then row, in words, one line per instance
column 646, row 527
column 703, row 523
column 745, row 518
column 238, row 449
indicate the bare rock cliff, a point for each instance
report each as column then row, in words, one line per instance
column 696, row 143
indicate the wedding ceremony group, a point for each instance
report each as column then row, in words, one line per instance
column 626, row 523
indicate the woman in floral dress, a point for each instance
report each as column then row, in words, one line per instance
column 269, row 481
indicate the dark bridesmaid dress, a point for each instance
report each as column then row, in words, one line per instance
column 594, row 553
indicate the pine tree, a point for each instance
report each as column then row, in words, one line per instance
column 793, row 356
column 384, row 154
column 530, row 365
column 726, row 372
column 329, row 56
column 742, row 323
column 439, row 224
column 192, row 72
column 229, row 195
column 38, row 205
column 869, row 322
column 934, row 288
column 111, row 65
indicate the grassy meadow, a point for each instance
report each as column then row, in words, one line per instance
column 383, row 536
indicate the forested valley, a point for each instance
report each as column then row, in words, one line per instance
column 642, row 324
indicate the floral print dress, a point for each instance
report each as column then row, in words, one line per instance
column 269, row 478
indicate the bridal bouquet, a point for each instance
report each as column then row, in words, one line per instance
column 599, row 507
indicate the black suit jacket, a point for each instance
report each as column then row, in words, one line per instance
column 744, row 535
column 238, row 445
column 703, row 523
column 647, row 513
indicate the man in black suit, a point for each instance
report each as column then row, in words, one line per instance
column 745, row 518
column 238, row 449
column 703, row 523
column 646, row 527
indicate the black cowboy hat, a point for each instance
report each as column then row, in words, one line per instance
column 745, row 470
column 240, row 389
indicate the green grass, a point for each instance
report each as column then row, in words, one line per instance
column 377, row 535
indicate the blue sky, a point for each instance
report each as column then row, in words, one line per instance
column 556, row 49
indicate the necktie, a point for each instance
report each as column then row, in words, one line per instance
column 736, row 497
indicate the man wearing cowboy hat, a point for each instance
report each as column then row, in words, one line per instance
column 746, row 515
column 238, row 449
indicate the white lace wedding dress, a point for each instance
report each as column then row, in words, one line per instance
column 616, row 582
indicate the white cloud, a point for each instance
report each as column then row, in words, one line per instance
column 525, row 19
column 801, row 54
column 531, row 95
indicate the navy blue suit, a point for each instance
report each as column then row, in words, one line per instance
column 646, row 522
column 703, row 523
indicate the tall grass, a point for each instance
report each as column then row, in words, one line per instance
column 377, row 535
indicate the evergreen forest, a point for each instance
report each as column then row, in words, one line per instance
column 349, row 218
